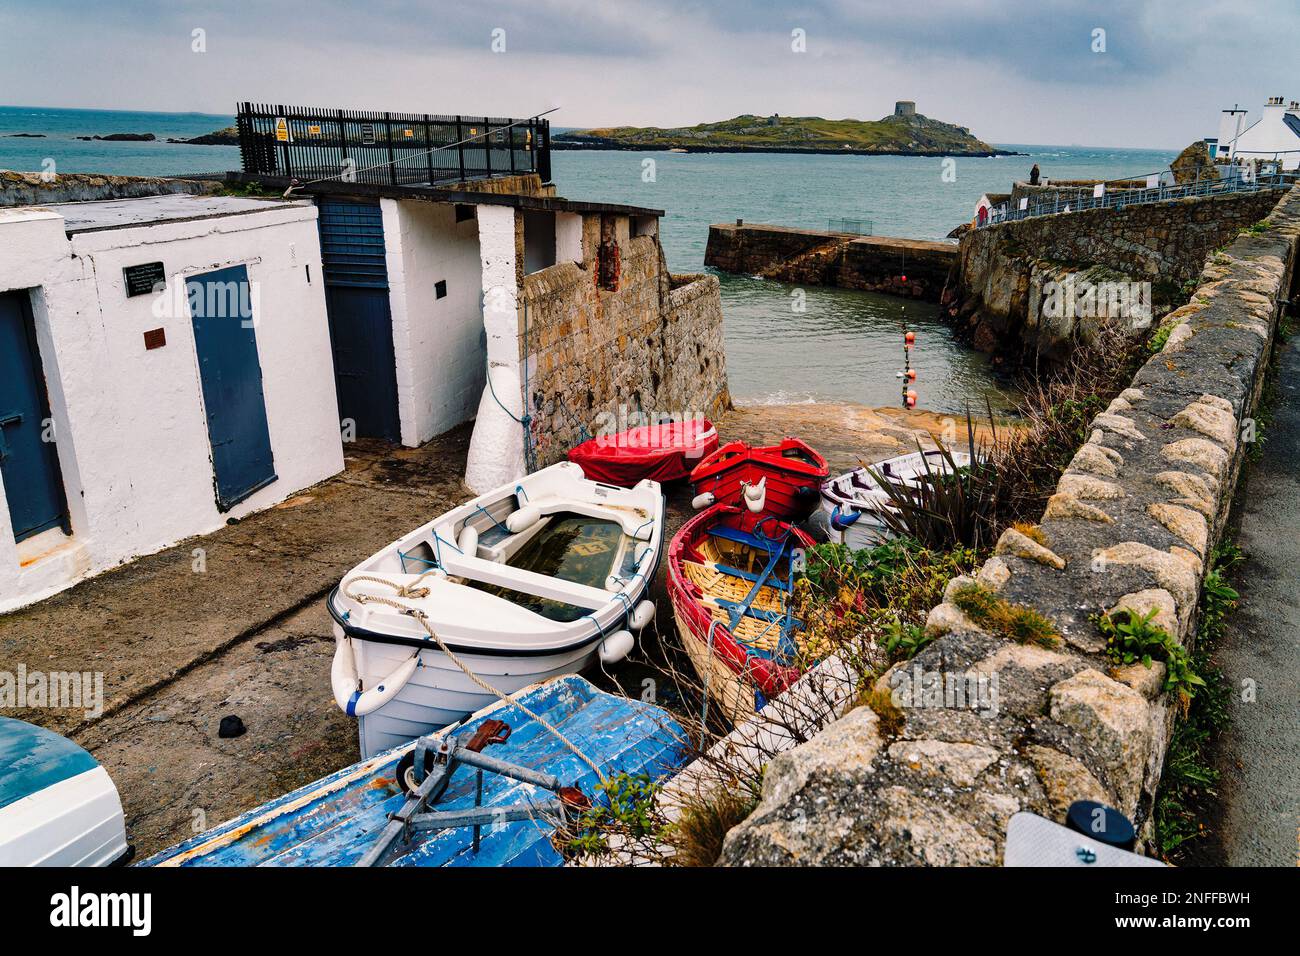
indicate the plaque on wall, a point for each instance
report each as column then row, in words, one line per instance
column 141, row 279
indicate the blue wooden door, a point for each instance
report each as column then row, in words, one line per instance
column 231, row 376
column 29, row 465
column 361, row 325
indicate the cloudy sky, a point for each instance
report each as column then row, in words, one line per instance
column 1014, row 71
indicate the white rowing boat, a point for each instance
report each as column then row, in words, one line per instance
column 532, row 580
column 853, row 501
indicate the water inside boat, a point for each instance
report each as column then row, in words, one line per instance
column 570, row 547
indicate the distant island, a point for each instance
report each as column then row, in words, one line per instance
column 905, row 133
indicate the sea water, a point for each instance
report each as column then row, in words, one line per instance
column 783, row 344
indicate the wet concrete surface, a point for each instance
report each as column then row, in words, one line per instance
column 249, row 635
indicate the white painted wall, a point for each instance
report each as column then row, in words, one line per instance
column 496, row 449
column 438, row 343
column 568, row 237
column 131, row 429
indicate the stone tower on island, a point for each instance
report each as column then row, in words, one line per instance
column 905, row 108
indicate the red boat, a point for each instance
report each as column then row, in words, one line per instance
column 791, row 474
column 729, row 579
column 662, row 452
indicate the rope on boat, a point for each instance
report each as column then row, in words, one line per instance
column 405, row 591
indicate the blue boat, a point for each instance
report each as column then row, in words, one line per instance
column 498, row 805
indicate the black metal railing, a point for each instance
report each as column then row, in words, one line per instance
column 399, row 149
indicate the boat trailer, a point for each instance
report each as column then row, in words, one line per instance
column 433, row 762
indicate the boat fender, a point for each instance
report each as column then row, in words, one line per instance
column 343, row 680
column 756, row 495
column 641, row 615
column 468, row 541
column 804, row 492
column 841, row 521
column 706, row 500
column 616, row 647
column 523, row 519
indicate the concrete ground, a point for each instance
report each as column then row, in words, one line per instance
column 245, row 632
column 1259, row 752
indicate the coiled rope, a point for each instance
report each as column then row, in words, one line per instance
column 414, row 592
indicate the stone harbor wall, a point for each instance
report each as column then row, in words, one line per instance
column 1007, row 270
column 1132, row 524
column 907, row 267
column 599, row 353
column 30, row 189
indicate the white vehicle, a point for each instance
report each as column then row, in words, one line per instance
column 852, row 501
column 532, row 580
column 58, row 806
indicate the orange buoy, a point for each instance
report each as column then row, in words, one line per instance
column 911, row 375
column 911, row 398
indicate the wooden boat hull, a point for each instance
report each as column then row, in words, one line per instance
column 662, row 453
column 717, row 562
column 333, row 821
column 792, row 470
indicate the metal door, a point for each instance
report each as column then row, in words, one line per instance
column 361, row 324
column 29, row 461
column 225, row 338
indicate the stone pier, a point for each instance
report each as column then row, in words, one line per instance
column 908, row 267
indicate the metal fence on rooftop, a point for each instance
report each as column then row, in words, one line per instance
column 388, row 148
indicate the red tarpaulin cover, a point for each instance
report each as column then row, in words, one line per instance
column 664, row 452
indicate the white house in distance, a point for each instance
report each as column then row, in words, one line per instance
column 131, row 419
column 1274, row 136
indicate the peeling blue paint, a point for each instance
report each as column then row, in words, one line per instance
column 333, row 821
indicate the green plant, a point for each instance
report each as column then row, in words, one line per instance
column 861, row 603
column 1159, row 338
column 1132, row 638
column 1015, row 621
column 905, row 641
column 624, row 804
column 1189, row 778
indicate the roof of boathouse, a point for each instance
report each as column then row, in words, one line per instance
column 96, row 216
column 434, row 194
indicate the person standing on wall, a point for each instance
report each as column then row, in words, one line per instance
column 1033, row 175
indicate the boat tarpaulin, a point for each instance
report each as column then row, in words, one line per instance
column 664, row 452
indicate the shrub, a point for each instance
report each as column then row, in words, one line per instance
column 698, row 834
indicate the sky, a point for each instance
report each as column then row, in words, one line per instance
column 1013, row 71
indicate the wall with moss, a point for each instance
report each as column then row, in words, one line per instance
column 1131, row 527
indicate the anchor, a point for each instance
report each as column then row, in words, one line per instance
column 424, row 773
